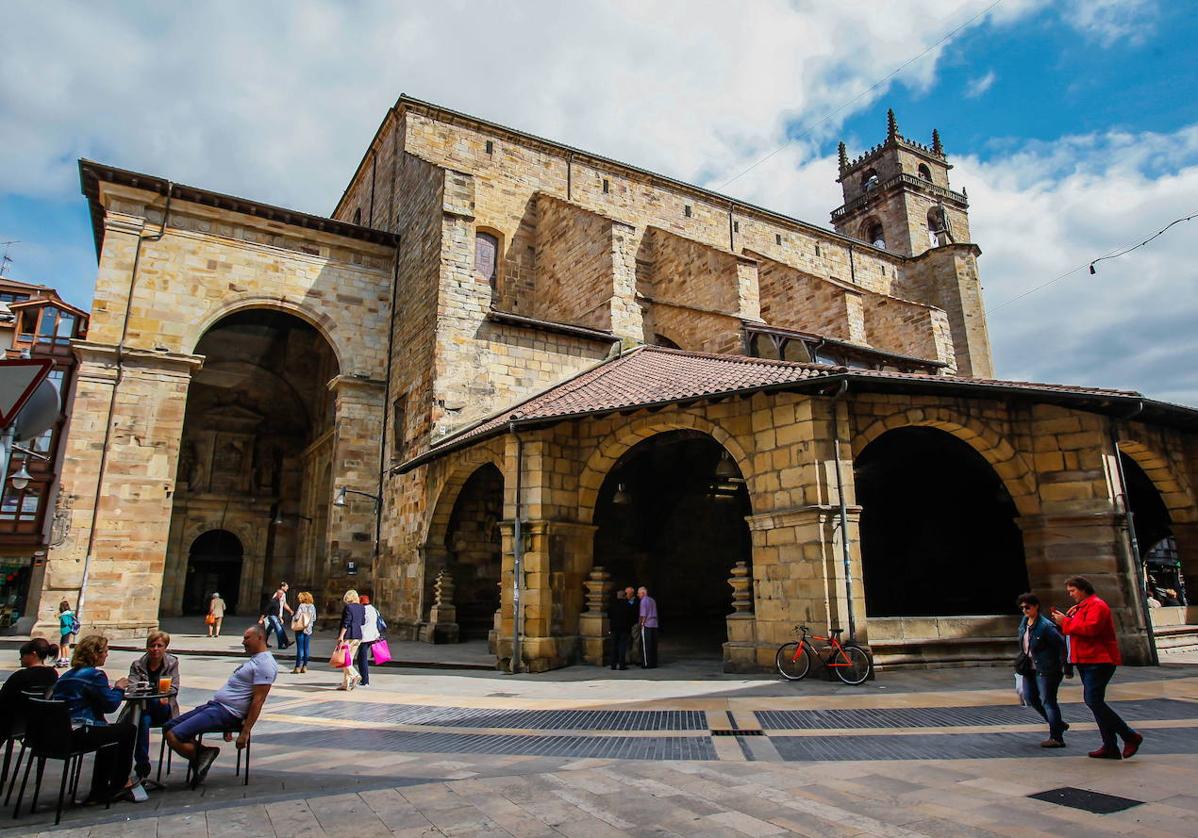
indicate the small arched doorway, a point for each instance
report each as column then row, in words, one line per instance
column 671, row 516
column 473, row 542
column 213, row 566
column 938, row 531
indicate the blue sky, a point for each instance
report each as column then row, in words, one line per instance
column 1073, row 124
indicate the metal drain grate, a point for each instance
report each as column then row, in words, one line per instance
column 738, row 732
column 1088, row 801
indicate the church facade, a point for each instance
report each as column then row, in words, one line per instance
column 507, row 375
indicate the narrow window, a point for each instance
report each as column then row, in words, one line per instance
column 736, row 226
column 817, row 250
column 777, row 238
column 686, row 210
column 606, row 186
column 358, row 215
column 490, row 147
column 486, row 257
column 399, row 425
column 875, row 235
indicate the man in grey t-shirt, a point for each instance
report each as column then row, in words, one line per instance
column 235, row 706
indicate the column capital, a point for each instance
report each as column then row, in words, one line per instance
column 107, row 355
column 797, row 516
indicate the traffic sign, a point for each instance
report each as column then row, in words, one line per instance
column 19, row 378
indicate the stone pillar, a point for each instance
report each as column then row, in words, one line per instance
column 740, row 653
column 358, row 405
column 442, row 626
column 593, row 628
column 135, row 488
column 1093, row 545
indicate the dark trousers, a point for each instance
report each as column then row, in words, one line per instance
column 619, row 648
column 113, row 765
column 1095, row 677
column 363, row 661
column 153, row 715
column 303, row 648
column 649, row 639
column 1040, row 693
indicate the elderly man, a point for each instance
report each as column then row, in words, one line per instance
column 649, row 625
column 235, row 705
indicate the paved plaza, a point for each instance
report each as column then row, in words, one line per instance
column 690, row 751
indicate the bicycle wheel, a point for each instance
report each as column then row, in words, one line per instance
column 792, row 661
column 855, row 665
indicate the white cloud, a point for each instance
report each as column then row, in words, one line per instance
column 976, row 87
column 1110, row 21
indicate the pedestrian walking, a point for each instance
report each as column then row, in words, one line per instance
column 353, row 615
column 276, row 611
column 619, row 622
column 150, row 669
column 1041, row 663
column 68, row 629
column 303, row 624
column 370, row 633
column 649, row 627
column 1095, row 651
column 216, row 614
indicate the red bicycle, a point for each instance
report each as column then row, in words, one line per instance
column 851, row 663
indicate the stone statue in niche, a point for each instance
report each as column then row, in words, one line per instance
column 188, row 471
column 229, row 472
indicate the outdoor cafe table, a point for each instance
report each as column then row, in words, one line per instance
column 137, row 701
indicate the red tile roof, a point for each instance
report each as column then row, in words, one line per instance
column 649, row 376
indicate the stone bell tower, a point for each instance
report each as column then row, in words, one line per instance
column 897, row 196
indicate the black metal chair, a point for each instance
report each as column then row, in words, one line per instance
column 48, row 733
column 234, row 730
column 16, row 733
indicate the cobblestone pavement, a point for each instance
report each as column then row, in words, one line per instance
column 591, row 752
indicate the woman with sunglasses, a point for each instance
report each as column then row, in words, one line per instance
column 1043, row 650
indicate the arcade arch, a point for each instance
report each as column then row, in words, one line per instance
column 256, row 451
column 938, row 528
column 213, row 566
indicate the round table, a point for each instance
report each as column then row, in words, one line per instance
column 137, row 702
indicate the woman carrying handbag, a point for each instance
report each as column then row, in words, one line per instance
column 353, row 615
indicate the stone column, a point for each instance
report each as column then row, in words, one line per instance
column 1093, row 545
column 740, row 654
column 442, row 626
column 135, row 488
column 352, row 530
column 593, row 627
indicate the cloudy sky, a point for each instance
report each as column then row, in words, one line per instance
column 1073, row 125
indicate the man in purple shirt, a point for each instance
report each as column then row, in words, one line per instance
column 648, row 628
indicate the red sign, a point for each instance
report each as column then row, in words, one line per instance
column 19, row 377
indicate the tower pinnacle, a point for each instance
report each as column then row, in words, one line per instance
column 892, row 131
column 844, row 156
column 937, row 148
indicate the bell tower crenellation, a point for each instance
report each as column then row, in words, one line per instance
column 897, row 195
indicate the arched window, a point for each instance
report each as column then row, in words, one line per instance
column 874, row 234
column 486, row 257
column 662, row 340
column 925, row 172
column 938, row 232
column 869, row 180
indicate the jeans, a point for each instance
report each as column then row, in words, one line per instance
column 274, row 624
column 1095, row 677
column 303, row 646
column 1040, row 693
column 207, row 718
column 153, row 715
column 363, row 660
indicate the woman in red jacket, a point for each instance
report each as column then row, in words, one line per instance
column 1095, row 651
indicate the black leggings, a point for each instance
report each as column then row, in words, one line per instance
column 113, row 765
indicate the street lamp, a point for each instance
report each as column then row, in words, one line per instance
column 21, row 479
column 339, row 498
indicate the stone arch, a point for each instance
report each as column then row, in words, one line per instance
column 1008, row 463
column 1174, row 489
column 321, row 322
column 623, row 438
column 457, row 472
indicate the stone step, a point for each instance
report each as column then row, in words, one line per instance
column 921, row 653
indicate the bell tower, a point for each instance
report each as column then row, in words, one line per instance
column 897, row 196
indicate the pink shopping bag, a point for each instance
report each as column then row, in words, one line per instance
column 380, row 651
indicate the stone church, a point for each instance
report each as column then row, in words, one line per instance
column 506, row 375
